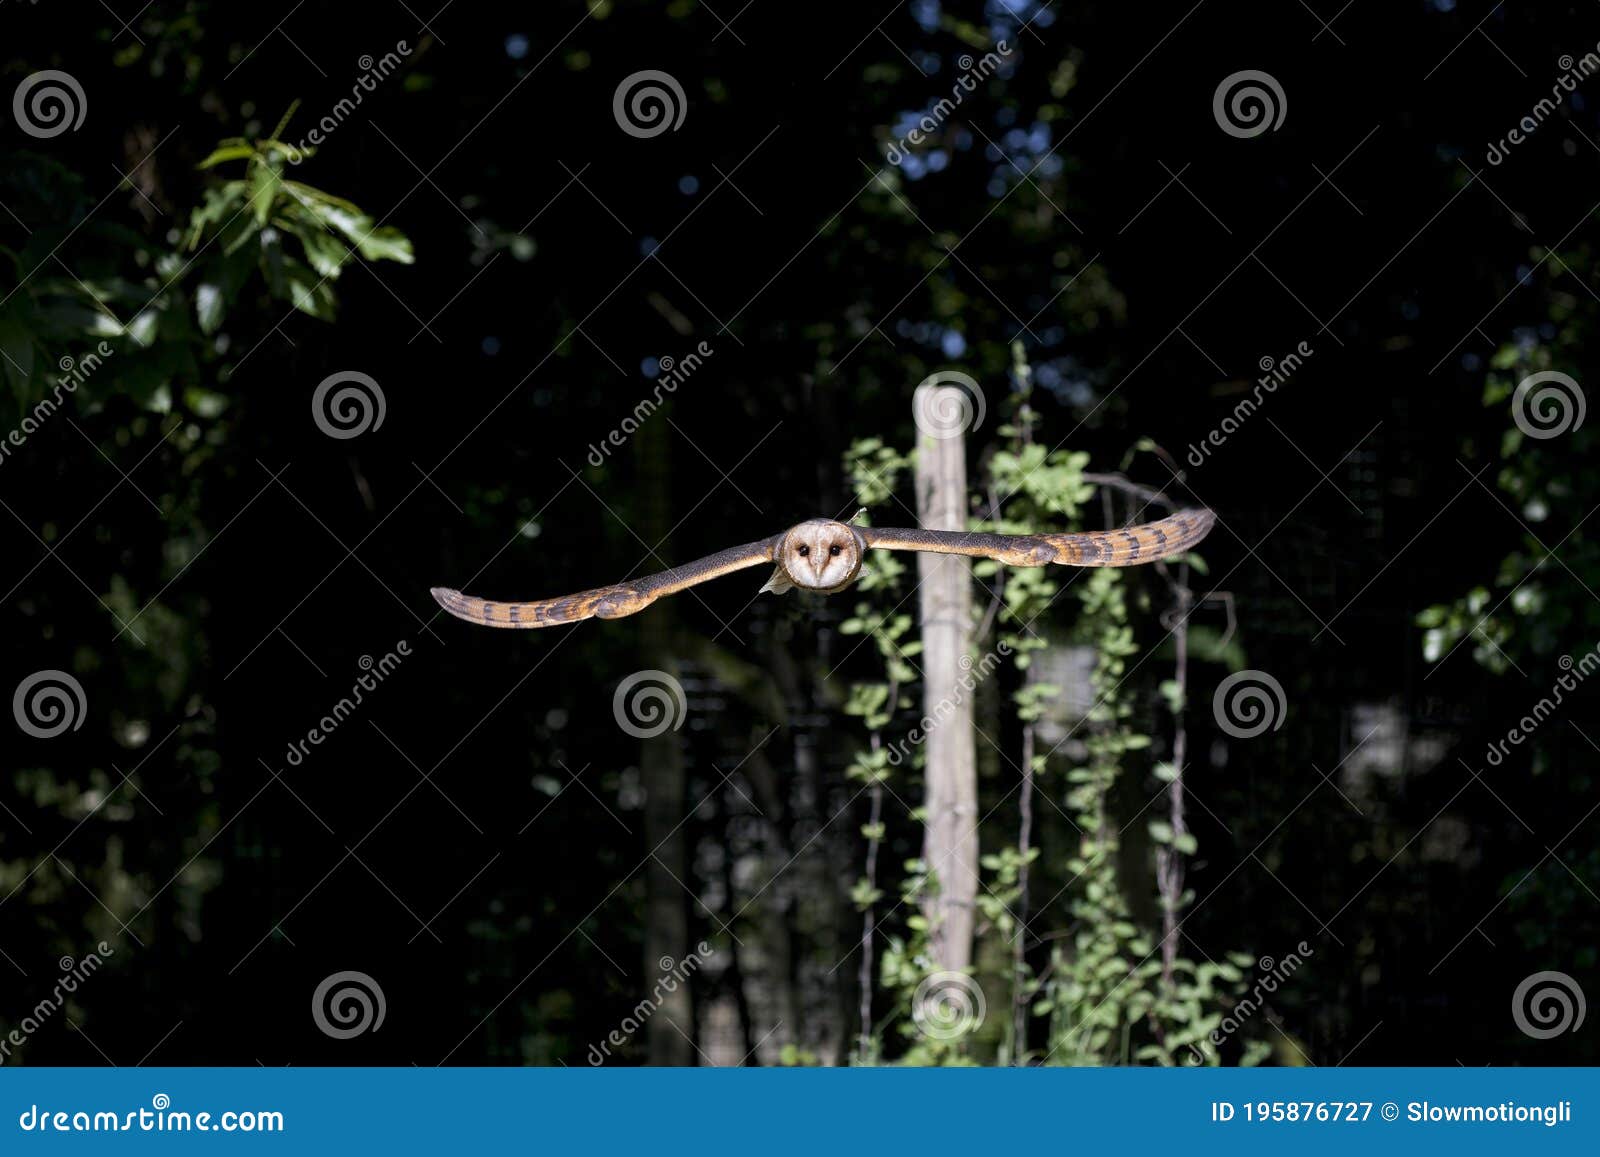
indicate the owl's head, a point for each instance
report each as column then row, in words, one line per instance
column 821, row 555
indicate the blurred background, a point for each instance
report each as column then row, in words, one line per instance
column 208, row 211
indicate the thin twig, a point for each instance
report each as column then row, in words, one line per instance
column 1123, row 483
column 869, row 916
column 1019, row 995
column 1169, row 859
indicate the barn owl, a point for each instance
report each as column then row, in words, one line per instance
column 825, row 556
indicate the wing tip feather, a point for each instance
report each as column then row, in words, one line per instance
column 457, row 604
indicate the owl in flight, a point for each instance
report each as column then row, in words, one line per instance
column 825, row 556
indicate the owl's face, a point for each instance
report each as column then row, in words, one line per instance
column 821, row 555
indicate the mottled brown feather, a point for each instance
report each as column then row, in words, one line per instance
column 1128, row 547
column 613, row 602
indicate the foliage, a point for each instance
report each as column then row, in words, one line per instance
column 119, row 346
column 1102, row 995
column 1530, row 611
column 162, row 309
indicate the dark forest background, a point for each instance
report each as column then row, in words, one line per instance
column 482, row 838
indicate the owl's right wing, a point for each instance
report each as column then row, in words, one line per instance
column 1127, row 547
column 613, row 602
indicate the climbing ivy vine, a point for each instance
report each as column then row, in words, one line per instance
column 1106, row 990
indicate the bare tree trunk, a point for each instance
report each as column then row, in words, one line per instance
column 950, row 844
column 666, row 929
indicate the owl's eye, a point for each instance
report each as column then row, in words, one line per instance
column 835, row 549
column 803, row 551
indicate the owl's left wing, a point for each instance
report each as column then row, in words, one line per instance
column 1130, row 546
column 613, row 602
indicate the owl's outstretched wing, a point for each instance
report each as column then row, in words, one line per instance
column 613, row 602
column 1127, row 547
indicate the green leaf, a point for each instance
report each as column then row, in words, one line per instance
column 225, row 153
column 142, row 328
column 263, row 188
column 325, row 252
column 209, row 306
column 17, row 346
column 307, row 292
column 272, row 261
column 386, row 244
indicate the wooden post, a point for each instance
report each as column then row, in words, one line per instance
column 950, row 843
